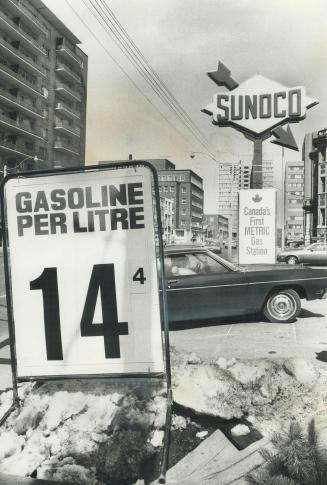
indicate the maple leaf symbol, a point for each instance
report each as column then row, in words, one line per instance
column 257, row 198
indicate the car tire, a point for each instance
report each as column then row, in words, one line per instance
column 282, row 306
column 292, row 260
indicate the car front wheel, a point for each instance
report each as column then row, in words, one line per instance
column 292, row 260
column 283, row 306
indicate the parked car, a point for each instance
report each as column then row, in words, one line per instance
column 315, row 254
column 201, row 285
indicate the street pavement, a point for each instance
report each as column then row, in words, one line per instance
column 250, row 338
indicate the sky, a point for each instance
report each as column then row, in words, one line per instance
column 284, row 40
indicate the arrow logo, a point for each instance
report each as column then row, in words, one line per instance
column 285, row 138
column 222, row 77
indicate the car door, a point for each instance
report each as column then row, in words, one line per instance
column 212, row 290
column 314, row 254
column 321, row 256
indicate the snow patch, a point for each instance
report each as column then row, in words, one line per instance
column 240, row 430
column 84, row 431
column 157, row 438
column 303, row 371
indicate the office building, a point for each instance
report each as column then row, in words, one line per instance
column 167, row 214
column 293, row 197
column 185, row 189
column 232, row 177
column 215, row 227
column 267, row 174
column 315, row 193
column 43, row 84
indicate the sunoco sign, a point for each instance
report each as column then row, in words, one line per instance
column 258, row 105
column 257, row 226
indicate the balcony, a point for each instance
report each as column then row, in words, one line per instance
column 67, row 54
column 67, row 111
column 65, row 91
column 16, row 148
column 65, row 128
column 8, row 25
column 18, row 56
column 21, row 127
column 19, row 10
column 16, row 103
column 66, row 147
column 68, row 73
column 18, row 80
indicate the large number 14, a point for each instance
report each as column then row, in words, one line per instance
column 103, row 279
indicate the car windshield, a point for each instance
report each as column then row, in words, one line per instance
column 191, row 263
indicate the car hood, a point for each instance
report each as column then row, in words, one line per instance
column 293, row 251
column 269, row 267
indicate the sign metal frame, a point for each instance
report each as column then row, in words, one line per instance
column 162, row 285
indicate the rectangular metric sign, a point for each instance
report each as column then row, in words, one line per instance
column 83, row 273
column 257, row 226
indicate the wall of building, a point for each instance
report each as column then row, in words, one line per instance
column 232, row 177
column 43, row 84
column 185, row 189
column 293, row 209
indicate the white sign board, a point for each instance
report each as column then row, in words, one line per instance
column 83, row 273
column 257, row 226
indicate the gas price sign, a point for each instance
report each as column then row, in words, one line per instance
column 83, row 273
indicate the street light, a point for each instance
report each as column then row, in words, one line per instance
column 6, row 169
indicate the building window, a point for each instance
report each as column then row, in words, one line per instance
column 183, row 190
column 165, row 189
column 172, row 188
column 183, row 212
column 183, row 201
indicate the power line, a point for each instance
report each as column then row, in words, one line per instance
column 126, row 50
column 145, row 72
column 162, row 84
column 124, row 71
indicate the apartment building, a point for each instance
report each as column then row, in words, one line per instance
column 293, row 207
column 43, row 86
